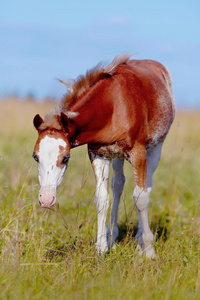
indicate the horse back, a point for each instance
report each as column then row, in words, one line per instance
column 148, row 105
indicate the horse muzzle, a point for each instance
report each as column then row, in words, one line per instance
column 47, row 197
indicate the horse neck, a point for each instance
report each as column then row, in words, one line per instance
column 94, row 112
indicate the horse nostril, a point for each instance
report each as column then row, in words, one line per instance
column 40, row 199
column 52, row 202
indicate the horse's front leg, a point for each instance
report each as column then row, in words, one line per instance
column 117, row 184
column 101, row 169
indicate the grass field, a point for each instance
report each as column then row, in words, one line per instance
column 50, row 254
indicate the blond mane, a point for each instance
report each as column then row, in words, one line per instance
column 53, row 119
column 79, row 86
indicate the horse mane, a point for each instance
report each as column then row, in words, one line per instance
column 77, row 87
column 52, row 121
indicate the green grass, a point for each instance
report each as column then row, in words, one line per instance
column 48, row 254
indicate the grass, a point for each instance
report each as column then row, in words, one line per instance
column 48, row 254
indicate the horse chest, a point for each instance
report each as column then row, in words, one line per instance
column 109, row 151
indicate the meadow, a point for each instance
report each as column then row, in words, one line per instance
column 50, row 254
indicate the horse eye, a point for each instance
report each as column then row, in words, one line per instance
column 35, row 157
column 65, row 159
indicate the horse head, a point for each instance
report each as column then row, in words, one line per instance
column 51, row 152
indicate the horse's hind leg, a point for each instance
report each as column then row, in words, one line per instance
column 144, row 167
column 117, row 185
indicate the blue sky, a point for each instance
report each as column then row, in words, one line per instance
column 44, row 40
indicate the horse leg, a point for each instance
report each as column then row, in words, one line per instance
column 144, row 164
column 117, row 184
column 101, row 170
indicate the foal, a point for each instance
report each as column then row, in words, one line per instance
column 122, row 111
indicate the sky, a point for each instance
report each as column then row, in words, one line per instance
column 41, row 41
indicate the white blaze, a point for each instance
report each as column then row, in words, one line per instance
column 50, row 175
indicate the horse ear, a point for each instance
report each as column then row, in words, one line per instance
column 64, row 121
column 37, row 121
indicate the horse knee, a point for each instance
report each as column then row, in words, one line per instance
column 141, row 197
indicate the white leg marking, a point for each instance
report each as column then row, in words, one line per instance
column 144, row 235
column 101, row 169
column 117, row 185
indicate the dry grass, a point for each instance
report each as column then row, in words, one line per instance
column 48, row 254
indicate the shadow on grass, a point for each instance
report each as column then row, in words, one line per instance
column 60, row 251
column 160, row 226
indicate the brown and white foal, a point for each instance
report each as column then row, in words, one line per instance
column 122, row 111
